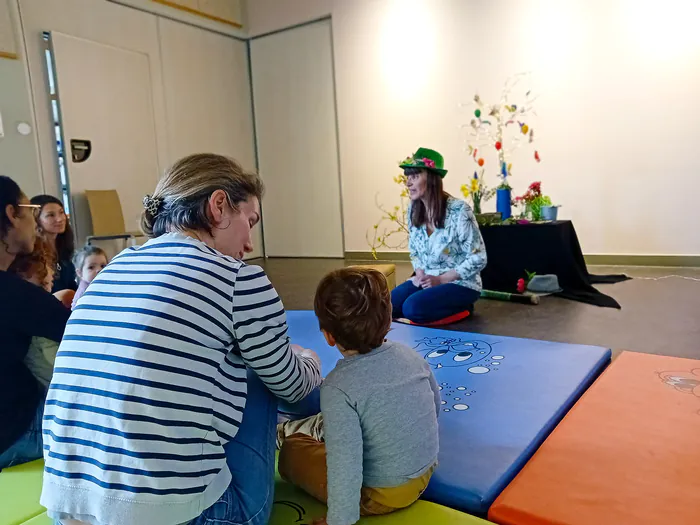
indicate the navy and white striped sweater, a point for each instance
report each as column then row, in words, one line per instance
column 150, row 382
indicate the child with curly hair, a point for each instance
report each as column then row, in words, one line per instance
column 38, row 267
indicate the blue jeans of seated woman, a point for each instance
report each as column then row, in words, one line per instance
column 431, row 304
column 251, row 459
column 29, row 446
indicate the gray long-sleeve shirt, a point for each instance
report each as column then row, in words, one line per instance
column 380, row 423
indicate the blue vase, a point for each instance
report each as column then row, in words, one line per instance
column 503, row 203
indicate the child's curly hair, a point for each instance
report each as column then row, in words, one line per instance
column 35, row 265
column 354, row 306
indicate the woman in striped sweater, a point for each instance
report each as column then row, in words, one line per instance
column 162, row 407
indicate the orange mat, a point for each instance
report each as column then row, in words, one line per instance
column 628, row 453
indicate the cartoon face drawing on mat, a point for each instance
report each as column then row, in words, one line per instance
column 452, row 352
column 290, row 512
column 686, row 382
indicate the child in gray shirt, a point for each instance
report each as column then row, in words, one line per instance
column 373, row 448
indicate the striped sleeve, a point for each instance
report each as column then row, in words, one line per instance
column 260, row 330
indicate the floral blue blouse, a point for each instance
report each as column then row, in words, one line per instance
column 458, row 246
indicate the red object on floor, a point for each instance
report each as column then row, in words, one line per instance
column 440, row 322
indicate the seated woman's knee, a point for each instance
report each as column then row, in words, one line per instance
column 416, row 308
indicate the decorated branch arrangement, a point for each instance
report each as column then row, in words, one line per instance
column 494, row 133
column 501, row 128
column 391, row 231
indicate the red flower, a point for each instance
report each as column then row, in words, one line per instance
column 498, row 145
column 521, row 285
column 428, row 163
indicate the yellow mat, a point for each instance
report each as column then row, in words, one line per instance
column 20, row 488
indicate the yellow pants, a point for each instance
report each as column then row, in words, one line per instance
column 302, row 462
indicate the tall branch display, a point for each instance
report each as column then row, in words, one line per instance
column 499, row 128
column 494, row 133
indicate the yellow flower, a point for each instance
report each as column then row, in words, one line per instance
column 475, row 185
column 376, row 226
column 465, row 190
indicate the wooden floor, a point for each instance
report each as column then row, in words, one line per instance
column 658, row 316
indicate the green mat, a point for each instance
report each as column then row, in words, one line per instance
column 20, row 488
column 294, row 507
column 41, row 519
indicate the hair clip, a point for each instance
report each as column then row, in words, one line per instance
column 152, row 204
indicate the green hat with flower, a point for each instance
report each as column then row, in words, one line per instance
column 425, row 159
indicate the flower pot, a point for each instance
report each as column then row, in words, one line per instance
column 549, row 213
column 503, row 203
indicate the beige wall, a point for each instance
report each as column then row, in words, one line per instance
column 616, row 124
column 207, row 92
column 263, row 16
column 18, row 154
column 204, row 110
column 99, row 21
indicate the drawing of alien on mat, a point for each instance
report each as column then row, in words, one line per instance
column 451, row 352
column 687, row 382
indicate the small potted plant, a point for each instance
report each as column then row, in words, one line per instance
column 549, row 212
column 535, row 203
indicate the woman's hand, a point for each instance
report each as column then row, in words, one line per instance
column 430, row 281
column 305, row 352
column 416, row 279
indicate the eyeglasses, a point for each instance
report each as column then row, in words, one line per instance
column 32, row 206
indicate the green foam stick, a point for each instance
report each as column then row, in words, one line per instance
column 510, row 297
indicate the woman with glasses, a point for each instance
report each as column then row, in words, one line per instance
column 54, row 227
column 26, row 311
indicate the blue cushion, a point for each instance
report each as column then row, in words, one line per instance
column 502, row 396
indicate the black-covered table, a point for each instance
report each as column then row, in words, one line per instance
column 544, row 248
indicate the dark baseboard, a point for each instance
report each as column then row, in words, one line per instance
column 687, row 261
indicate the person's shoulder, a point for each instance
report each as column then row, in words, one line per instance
column 400, row 348
column 455, row 204
column 11, row 282
column 405, row 353
column 458, row 207
column 178, row 245
column 251, row 273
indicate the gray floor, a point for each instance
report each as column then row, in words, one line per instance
column 658, row 316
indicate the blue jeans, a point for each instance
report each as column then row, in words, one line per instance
column 29, row 446
column 431, row 304
column 251, row 459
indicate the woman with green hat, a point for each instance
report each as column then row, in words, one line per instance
column 447, row 251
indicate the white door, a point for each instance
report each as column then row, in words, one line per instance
column 295, row 117
column 197, row 61
column 106, row 97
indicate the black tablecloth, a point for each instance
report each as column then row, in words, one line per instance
column 544, row 248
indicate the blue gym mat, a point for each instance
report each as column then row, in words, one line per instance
column 501, row 396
